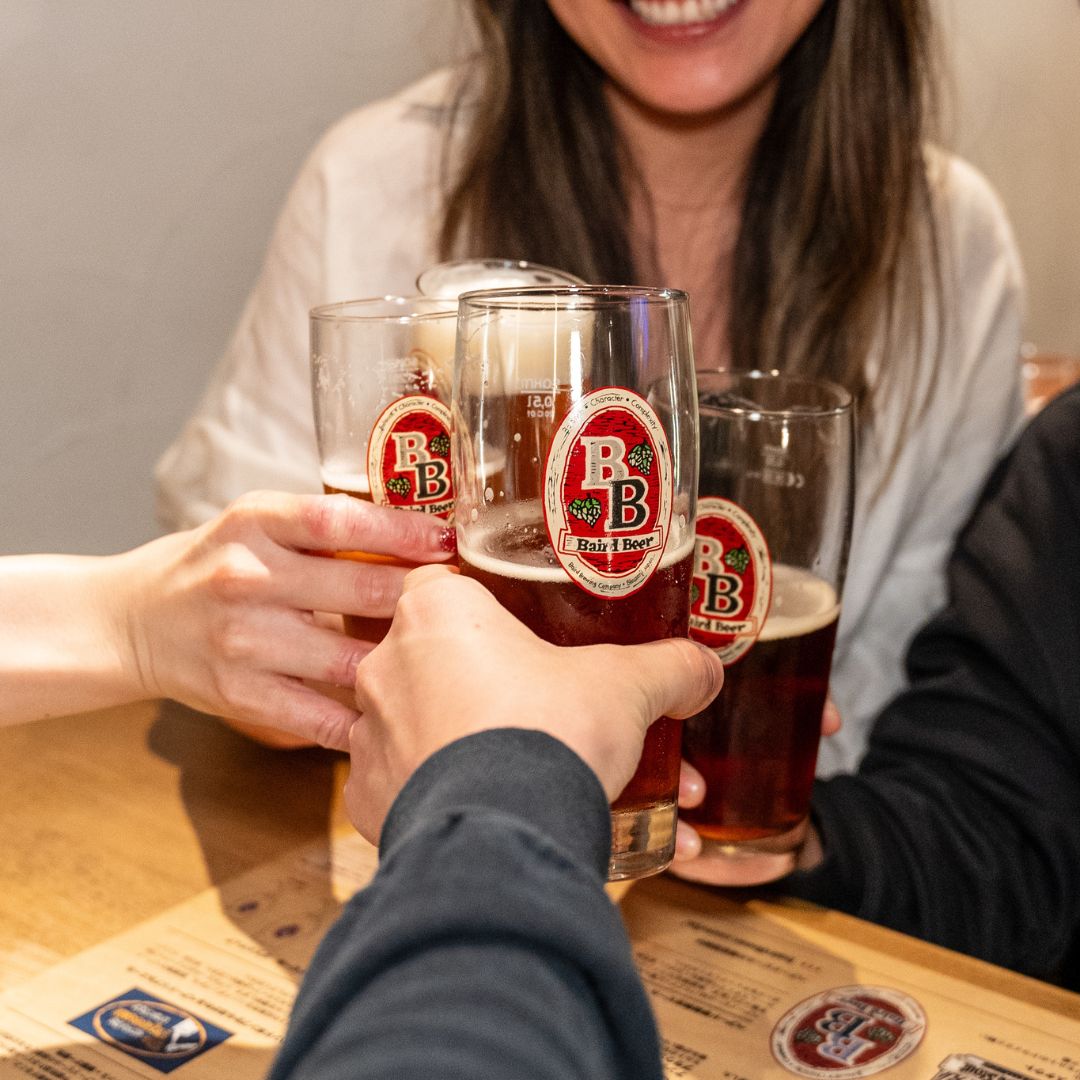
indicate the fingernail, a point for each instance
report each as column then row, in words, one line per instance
column 687, row 845
column 448, row 541
column 689, row 788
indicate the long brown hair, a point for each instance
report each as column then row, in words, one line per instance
column 836, row 242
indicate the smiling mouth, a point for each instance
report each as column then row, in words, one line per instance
column 679, row 12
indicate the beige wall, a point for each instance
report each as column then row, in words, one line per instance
column 145, row 149
column 1016, row 114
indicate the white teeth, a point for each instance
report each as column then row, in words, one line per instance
column 678, row 12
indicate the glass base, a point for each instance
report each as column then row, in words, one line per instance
column 746, row 862
column 642, row 841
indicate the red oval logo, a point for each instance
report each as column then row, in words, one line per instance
column 732, row 584
column 607, row 492
column 409, row 456
column 848, row 1032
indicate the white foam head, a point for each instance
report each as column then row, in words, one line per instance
column 801, row 604
column 344, row 479
column 539, row 564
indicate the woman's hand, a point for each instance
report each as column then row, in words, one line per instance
column 455, row 662
column 221, row 617
column 751, row 869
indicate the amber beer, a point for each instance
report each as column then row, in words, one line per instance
column 521, row 570
column 756, row 745
column 532, row 417
column 356, row 486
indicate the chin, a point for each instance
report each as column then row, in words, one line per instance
column 674, row 95
column 687, row 58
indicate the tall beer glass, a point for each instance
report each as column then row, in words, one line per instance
column 575, row 468
column 381, row 372
column 773, row 527
column 448, row 280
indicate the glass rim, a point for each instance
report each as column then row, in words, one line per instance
column 342, row 310
column 562, row 298
column 495, row 263
column 843, row 399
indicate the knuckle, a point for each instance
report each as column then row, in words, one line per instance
column 234, row 645
column 239, row 515
column 236, row 573
column 416, row 528
column 340, row 668
column 321, row 515
column 375, row 589
column 326, row 726
column 230, row 693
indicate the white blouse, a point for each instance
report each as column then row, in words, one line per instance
column 361, row 220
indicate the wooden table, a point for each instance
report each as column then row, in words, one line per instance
column 110, row 818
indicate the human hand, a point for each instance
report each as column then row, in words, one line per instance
column 456, row 662
column 751, row 869
column 222, row 617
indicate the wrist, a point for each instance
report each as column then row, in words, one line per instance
column 109, row 600
column 124, row 597
column 59, row 649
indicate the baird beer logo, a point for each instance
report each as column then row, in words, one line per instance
column 849, row 1033
column 409, row 456
column 732, row 583
column 163, row 1036
column 607, row 492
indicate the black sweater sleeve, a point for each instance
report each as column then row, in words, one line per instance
column 962, row 824
column 485, row 945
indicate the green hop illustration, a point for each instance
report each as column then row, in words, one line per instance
column 641, row 457
column 809, row 1035
column 398, row 485
column 587, row 510
column 695, row 593
column 880, row 1034
column 439, row 445
column 738, row 559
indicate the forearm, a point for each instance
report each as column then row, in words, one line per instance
column 63, row 636
column 985, row 871
column 485, row 945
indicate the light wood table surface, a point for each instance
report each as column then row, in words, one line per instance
column 110, row 818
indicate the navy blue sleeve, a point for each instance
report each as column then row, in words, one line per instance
column 962, row 824
column 485, row 946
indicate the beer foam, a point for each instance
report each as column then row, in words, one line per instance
column 542, row 566
column 351, row 480
column 801, row 604
column 516, row 349
column 356, row 480
column 436, row 338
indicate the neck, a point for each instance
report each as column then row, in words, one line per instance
column 685, row 199
column 691, row 163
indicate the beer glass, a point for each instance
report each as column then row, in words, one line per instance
column 575, row 470
column 381, row 372
column 448, row 280
column 773, row 528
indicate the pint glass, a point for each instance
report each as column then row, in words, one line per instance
column 575, row 470
column 381, row 372
column 448, row 280
column 773, row 527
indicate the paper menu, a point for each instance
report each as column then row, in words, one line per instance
column 205, row 988
column 746, row 992
column 741, row 992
